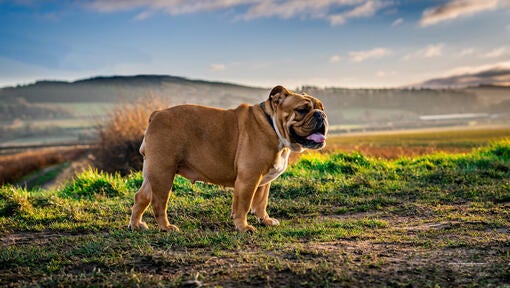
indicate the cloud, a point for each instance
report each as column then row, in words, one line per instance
column 360, row 56
column 458, row 8
column 173, row 7
column 382, row 74
column 217, row 67
column 397, row 22
column 365, row 10
column 493, row 74
column 466, row 52
column 432, row 50
column 143, row 15
column 476, row 69
column 497, row 52
column 251, row 9
column 335, row 58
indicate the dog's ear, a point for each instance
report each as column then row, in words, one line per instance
column 317, row 104
column 278, row 94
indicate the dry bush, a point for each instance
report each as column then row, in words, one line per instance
column 15, row 166
column 121, row 135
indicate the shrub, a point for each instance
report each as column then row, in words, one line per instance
column 120, row 137
column 14, row 201
column 90, row 184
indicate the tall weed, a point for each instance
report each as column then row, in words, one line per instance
column 120, row 137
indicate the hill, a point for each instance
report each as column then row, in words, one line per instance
column 177, row 90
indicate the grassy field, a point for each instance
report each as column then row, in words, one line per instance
column 395, row 144
column 440, row 220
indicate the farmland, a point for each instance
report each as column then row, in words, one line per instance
column 347, row 219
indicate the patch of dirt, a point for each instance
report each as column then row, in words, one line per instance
column 31, row 238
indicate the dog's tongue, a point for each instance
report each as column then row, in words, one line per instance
column 317, row 137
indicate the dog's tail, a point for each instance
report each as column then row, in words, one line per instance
column 142, row 146
column 152, row 115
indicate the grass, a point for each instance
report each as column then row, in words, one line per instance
column 395, row 144
column 347, row 220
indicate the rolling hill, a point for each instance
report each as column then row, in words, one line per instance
column 126, row 88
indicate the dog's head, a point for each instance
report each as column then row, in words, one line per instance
column 299, row 119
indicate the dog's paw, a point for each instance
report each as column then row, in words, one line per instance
column 138, row 226
column 269, row 221
column 169, row 227
column 244, row 227
column 247, row 229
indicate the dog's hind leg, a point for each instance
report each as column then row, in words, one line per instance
column 161, row 180
column 142, row 201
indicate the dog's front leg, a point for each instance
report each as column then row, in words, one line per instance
column 259, row 205
column 244, row 191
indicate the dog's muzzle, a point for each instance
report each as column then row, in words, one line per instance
column 317, row 138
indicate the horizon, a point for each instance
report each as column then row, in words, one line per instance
column 405, row 87
column 334, row 43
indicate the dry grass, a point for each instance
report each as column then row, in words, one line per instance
column 15, row 166
column 413, row 143
column 121, row 135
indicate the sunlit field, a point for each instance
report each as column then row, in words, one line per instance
column 394, row 144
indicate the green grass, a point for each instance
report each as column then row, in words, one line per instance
column 347, row 220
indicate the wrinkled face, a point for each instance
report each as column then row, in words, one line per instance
column 300, row 119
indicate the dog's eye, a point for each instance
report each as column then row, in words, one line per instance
column 302, row 111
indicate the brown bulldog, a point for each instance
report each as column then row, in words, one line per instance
column 245, row 148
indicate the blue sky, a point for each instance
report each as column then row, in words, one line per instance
column 348, row 43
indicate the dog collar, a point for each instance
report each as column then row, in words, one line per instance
column 272, row 121
column 268, row 117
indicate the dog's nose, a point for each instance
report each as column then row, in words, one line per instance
column 319, row 115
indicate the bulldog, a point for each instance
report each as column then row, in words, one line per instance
column 245, row 148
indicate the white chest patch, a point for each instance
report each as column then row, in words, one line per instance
column 279, row 166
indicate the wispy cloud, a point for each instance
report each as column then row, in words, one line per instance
column 336, row 12
column 365, row 10
column 466, row 52
column 433, row 50
column 476, row 69
column 335, row 59
column 397, row 22
column 217, row 67
column 360, row 56
column 459, row 8
column 430, row 51
column 497, row 52
column 173, row 7
column 143, row 15
column 497, row 73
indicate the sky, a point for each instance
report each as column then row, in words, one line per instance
column 342, row 43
